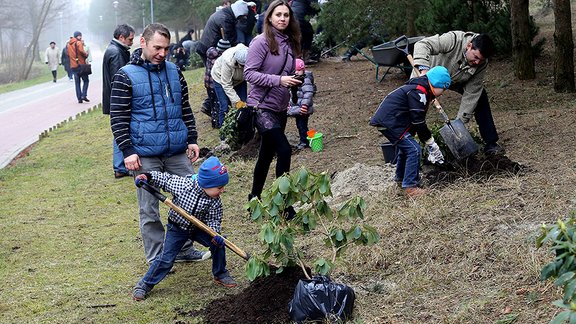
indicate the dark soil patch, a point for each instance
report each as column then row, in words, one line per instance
column 249, row 150
column 264, row 301
column 477, row 167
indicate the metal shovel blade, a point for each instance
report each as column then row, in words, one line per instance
column 458, row 139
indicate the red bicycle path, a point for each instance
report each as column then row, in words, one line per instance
column 28, row 113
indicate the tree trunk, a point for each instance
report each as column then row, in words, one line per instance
column 521, row 41
column 564, row 48
column 32, row 49
column 410, row 19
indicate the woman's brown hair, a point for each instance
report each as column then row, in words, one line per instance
column 292, row 30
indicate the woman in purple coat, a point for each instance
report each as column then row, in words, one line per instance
column 269, row 69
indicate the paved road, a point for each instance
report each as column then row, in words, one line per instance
column 27, row 113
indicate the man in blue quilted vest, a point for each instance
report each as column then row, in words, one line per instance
column 155, row 129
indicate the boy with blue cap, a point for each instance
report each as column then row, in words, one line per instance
column 402, row 115
column 199, row 196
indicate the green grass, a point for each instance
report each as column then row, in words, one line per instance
column 44, row 75
column 71, row 249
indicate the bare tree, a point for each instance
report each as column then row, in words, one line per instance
column 521, row 40
column 38, row 15
column 564, row 47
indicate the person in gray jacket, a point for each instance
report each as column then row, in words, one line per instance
column 465, row 55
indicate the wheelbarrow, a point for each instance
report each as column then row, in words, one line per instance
column 455, row 134
column 156, row 193
column 389, row 55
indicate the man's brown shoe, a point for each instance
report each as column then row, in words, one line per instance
column 119, row 175
column 415, row 192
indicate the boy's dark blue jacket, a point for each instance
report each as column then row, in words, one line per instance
column 404, row 110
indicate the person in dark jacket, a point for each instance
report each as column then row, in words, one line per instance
column 269, row 69
column 66, row 63
column 302, row 11
column 401, row 115
column 154, row 127
column 245, row 24
column 116, row 56
column 222, row 19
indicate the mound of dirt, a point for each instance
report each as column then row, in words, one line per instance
column 361, row 179
column 264, row 301
column 477, row 167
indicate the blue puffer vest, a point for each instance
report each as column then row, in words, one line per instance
column 156, row 127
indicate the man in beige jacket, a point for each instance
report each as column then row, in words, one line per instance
column 228, row 75
column 465, row 55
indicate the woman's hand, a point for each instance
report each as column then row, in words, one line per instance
column 289, row 81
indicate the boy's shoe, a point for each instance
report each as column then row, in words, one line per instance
column 138, row 294
column 415, row 192
column 140, row 291
column 226, row 281
column 194, row 256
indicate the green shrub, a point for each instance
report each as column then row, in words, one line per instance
column 228, row 130
column 562, row 240
column 340, row 228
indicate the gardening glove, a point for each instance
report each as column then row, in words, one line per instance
column 434, row 154
column 240, row 104
column 218, row 240
column 142, row 178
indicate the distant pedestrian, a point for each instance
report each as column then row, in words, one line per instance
column 78, row 55
column 52, row 58
column 66, row 63
column 116, row 56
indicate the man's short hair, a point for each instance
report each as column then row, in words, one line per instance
column 123, row 30
column 484, row 44
column 154, row 28
column 52, row 43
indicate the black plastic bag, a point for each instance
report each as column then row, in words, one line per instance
column 246, row 123
column 320, row 298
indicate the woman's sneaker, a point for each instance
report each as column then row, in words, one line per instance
column 226, row 281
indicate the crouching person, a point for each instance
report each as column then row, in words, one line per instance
column 198, row 195
column 402, row 115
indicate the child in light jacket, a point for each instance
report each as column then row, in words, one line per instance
column 301, row 105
